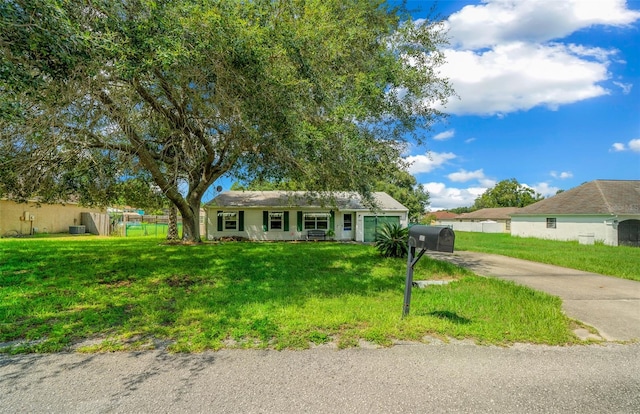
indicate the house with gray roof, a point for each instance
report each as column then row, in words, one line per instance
column 607, row 211
column 485, row 220
column 299, row 215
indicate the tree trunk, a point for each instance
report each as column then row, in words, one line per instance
column 191, row 229
column 191, row 222
column 172, row 232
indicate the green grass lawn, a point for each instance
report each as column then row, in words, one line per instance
column 126, row 294
column 619, row 261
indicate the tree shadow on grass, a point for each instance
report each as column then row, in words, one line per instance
column 451, row 317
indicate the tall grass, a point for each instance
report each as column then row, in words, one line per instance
column 619, row 261
column 136, row 293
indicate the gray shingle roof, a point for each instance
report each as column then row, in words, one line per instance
column 594, row 197
column 290, row 199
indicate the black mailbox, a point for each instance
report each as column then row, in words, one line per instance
column 434, row 238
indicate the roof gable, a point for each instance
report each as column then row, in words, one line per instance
column 497, row 213
column 443, row 215
column 594, row 197
column 292, row 199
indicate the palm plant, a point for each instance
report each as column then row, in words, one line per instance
column 391, row 240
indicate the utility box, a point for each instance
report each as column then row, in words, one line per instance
column 76, row 229
column 434, row 238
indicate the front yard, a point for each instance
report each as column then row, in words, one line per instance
column 103, row 294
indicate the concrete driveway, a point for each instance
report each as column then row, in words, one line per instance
column 609, row 304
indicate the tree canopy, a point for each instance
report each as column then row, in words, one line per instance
column 323, row 92
column 507, row 193
column 404, row 187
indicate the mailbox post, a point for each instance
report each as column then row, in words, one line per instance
column 434, row 238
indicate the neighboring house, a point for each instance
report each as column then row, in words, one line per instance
column 486, row 220
column 32, row 217
column 602, row 210
column 437, row 217
column 291, row 215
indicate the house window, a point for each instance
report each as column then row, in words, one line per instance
column 230, row 221
column 346, row 224
column 319, row 221
column 275, row 220
column 551, row 223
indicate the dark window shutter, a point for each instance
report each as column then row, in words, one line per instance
column 241, row 220
column 265, row 221
column 286, row 221
column 332, row 221
column 299, row 220
column 219, row 220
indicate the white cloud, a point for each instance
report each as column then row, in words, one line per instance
column 443, row 197
column 626, row 87
column 507, row 55
column 499, row 21
column 428, row 162
column 561, row 175
column 463, row 176
column 543, row 188
column 519, row 76
column 633, row 145
column 445, row 135
column 618, row 146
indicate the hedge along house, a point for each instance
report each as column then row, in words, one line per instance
column 607, row 211
column 291, row 215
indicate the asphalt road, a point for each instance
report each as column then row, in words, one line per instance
column 457, row 377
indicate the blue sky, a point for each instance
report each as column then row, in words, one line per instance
column 549, row 94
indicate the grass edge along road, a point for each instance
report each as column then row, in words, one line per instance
column 128, row 294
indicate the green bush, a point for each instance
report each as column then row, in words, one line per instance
column 391, row 240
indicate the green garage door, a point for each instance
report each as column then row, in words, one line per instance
column 372, row 223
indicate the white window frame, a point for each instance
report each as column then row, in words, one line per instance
column 315, row 218
column 275, row 217
column 229, row 217
column 552, row 223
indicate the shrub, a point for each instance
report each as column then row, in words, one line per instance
column 391, row 240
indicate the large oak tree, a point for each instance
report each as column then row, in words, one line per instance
column 323, row 92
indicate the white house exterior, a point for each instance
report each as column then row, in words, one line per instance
column 486, row 220
column 607, row 211
column 290, row 215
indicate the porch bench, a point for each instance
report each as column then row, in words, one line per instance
column 316, row 235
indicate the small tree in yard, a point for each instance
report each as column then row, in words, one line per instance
column 392, row 239
column 321, row 92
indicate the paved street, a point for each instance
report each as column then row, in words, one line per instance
column 408, row 378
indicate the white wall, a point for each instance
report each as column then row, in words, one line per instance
column 476, row 226
column 253, row 226
column 567, row 228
